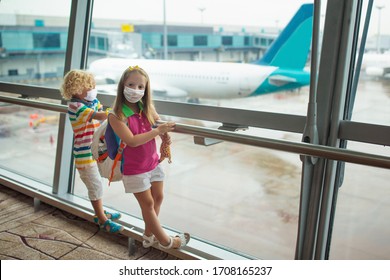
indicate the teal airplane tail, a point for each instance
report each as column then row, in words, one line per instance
column 289, row 54
column 291, row 48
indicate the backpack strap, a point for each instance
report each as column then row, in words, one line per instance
column 117, row 159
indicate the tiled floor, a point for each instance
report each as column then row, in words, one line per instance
column 50, row 233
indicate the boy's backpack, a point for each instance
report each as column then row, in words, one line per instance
column 107, row 151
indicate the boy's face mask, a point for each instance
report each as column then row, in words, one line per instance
column 133, row 95
column 91, row 95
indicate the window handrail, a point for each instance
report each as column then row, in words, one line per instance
column 300, row 148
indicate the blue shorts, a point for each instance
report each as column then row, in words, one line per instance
column 142, row 182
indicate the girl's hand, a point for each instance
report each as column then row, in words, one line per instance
column 166, row 127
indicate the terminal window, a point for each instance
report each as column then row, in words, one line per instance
column 246, row 40
column 12, row 72
column 227, row 40
column 171, row 40
column 200, row 40
column 46, row 40
column 102, row 43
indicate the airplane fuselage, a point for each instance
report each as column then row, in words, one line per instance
column 189, row 78
column 280, row 68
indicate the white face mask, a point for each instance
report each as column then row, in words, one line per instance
column 91, row 95
column 133, row 95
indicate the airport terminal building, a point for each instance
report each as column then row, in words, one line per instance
column 26, row 39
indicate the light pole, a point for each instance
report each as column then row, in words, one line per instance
column 165, row 34
column 201, row 9
column 378, row 43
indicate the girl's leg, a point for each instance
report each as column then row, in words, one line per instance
column 158, row 195
column 146, row 202
column 149, row 214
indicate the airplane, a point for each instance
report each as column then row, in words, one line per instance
column 376, row 65
column 281, row 68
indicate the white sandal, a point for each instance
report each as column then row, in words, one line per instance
column 184, row 239
column 149, row 241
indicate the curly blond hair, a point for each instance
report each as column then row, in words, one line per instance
column 75, row 82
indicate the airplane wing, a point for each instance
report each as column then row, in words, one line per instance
column 161, row 90
column 377, row 71
column 107, row 89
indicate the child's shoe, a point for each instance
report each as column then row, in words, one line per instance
column 113, row 216
column 111, row 226
column 149, row 241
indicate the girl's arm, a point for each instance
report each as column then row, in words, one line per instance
column 154, row 113
column 124, row 133
column 164, row 136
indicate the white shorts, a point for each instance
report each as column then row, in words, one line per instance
column 142, row 182
column 93, row 181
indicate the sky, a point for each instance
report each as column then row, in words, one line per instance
column 268, row 13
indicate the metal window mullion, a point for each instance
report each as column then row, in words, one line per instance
column 342, row 89
column 312, row 181
column 76, row 56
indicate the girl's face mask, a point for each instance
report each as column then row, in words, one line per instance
column 91, row 95
column 133, row 95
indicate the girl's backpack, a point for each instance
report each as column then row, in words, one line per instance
column 107, row 151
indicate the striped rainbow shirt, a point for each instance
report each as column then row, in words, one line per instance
column 80, row 115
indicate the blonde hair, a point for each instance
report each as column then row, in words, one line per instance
column 75, row 82
column 146, row 100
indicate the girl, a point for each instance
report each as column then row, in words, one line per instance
column 85, row 113
column 132, row 121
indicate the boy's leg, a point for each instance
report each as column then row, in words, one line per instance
column 92, row 180
column 99, row 211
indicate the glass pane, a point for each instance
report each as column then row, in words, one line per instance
column 213, row 52
column 372, row 103
column 26, row 135
column 373, row 97
column 361, row 228
column 33, row 39
column 240, row 197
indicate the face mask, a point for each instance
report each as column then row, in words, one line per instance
column 133, row 95
column 91, row 95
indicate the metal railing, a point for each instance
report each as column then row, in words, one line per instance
column 276, row 144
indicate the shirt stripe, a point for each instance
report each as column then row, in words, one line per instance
column 80, row 115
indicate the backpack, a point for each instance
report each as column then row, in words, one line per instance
column 107, row 151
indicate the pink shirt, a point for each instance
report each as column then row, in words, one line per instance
column 144, row 158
